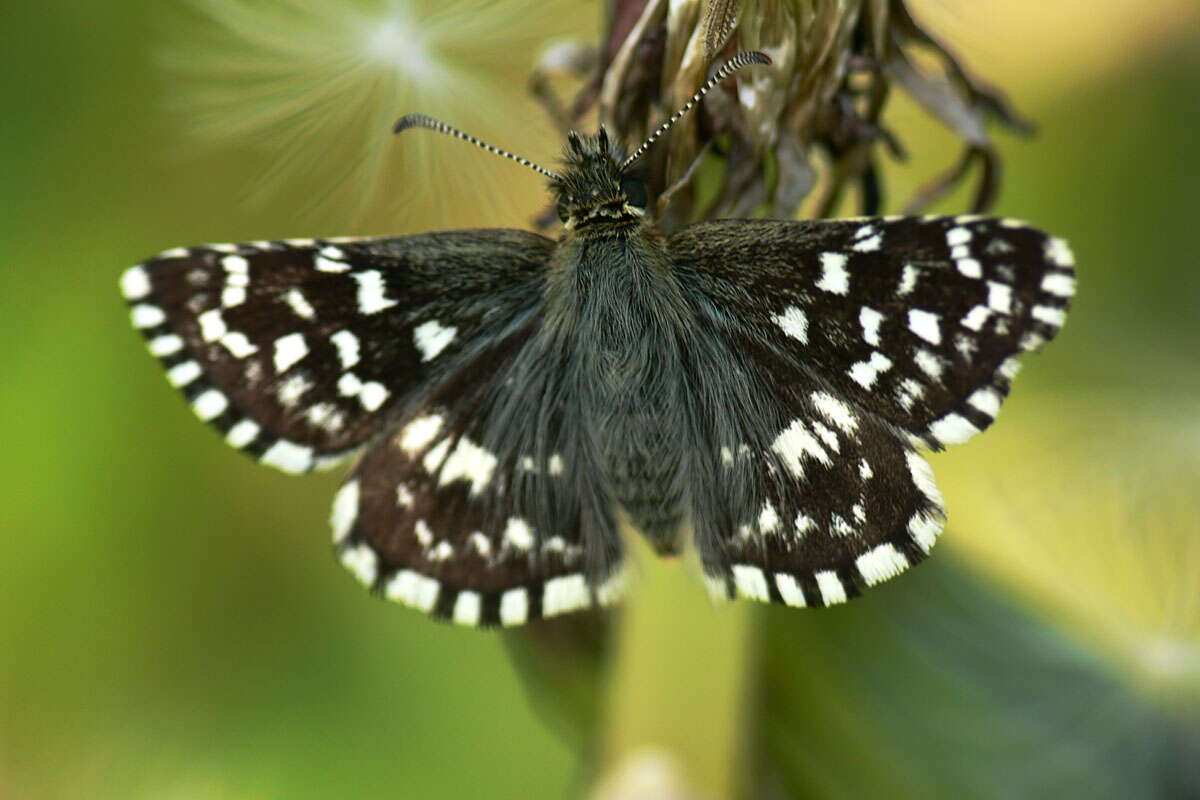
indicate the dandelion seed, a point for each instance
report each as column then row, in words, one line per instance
column 318, row 84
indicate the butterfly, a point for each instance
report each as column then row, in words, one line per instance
column 761, row 385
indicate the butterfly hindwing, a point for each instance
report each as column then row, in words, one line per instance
column 916, row 320
column 300, row 351
column 839, row 503
column 474, row 508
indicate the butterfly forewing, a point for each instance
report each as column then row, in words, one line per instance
column 916, row 320
column 300, row 351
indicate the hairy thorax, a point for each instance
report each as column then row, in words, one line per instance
column 618, row 307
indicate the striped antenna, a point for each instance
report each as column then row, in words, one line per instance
column 731, row 66
column 422, row 121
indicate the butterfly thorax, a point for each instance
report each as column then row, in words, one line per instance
column 618, row 311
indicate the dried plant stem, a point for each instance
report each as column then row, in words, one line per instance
column 678, row 685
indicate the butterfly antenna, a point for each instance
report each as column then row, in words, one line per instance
column 731, row 66
column 422, row 121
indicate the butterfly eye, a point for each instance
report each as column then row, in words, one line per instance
column 634, row 190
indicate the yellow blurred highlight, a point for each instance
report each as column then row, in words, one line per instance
column 1090, row 510
column 1037, row 50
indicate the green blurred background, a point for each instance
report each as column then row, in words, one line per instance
column 173, row 625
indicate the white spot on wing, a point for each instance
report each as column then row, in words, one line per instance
column 924, row 530
column 467, row 607
column 232, row 296
column 768, row 519
column 166, row 345
column 1059, row 253
column 930, row 364
column 835, row 411
column 299, row 303
column 371, row 292
column 925, row 325
column 468, row 462
column 431, row 338
column 362, row 562
column 834, row 277
column 869, row 244
column 325, row 416
column 870, row 319
column 908, row 280
column 289, row 350
column 952, row 429
column 436, row 455
column 881, row 563
column 518, row 534
column 514, row 607
column 794, row 323
column 789, row 590
column 413, row 590
column 135, row 283
column 986, row 400
column 976, row 318
column 795, row 444
column 750, row 581
column 922, row 476
column 288, row 456
column 345, row 510
column 969, row 267
column 372, row 395
column 329, row 259
column 865, row 372
column 238, row 345
column 423, row 533
column 1059, row 284
column 242, row 434
column 832, row 591
column 565, row 594
column 210, row 405
column 481, row 543
column 292, row 389
column 212, row 325
column 347, row 348
column 1000, row 297
column 181, row 375
column 1049, row 315
column 957, row 236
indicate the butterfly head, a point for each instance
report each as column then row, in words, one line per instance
column 592, row 187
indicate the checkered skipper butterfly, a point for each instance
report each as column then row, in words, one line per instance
column 762, row 383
